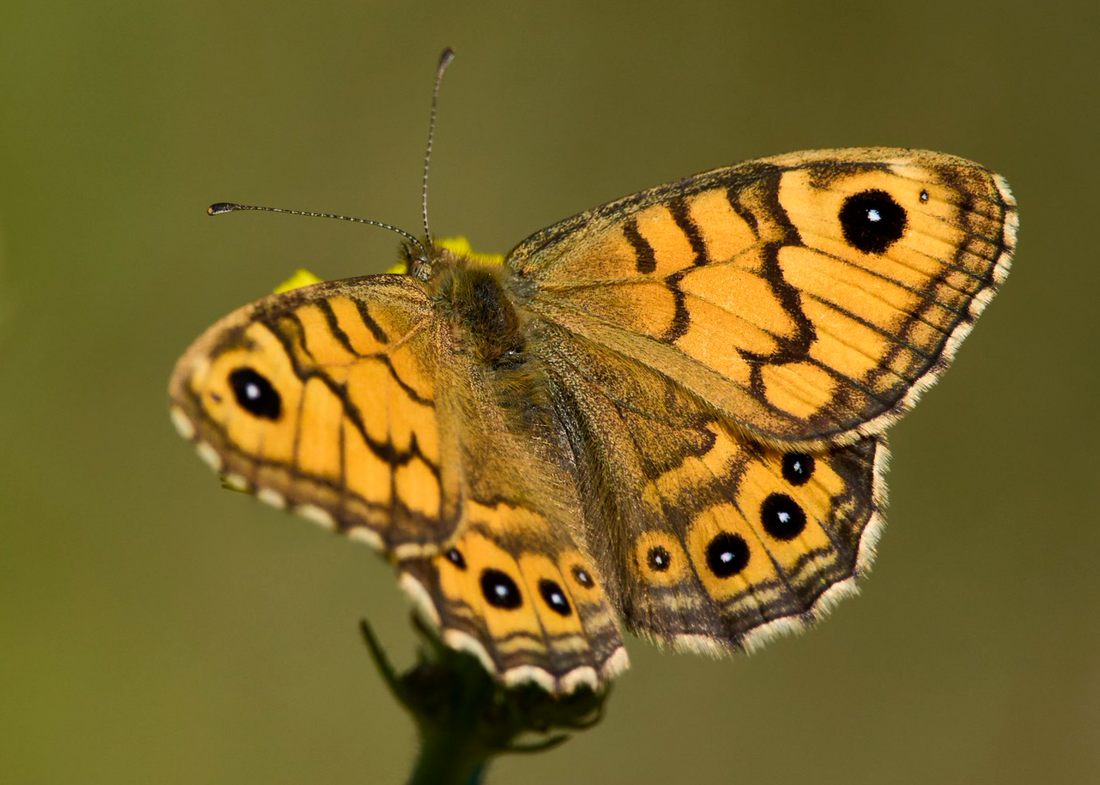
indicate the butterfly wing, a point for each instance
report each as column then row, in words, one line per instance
column 351, row 403
column 517, row 592
column 681, row 426
column 810, row 297
column 708, row 540
column 329, row 400
column 517, row 588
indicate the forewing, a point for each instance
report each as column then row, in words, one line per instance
column 810, row 297
column 329, row 400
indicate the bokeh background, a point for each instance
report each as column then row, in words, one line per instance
column 154, row 628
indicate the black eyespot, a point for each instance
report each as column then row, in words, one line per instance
column 781, row 516
column 659, row 559
column 455, row 557
column 553, row 595
column 798, row 467
column 872, row 221
column 500, row 590
column 255, row 394
column 582, row 577
column 727, row 554
column 923, row 195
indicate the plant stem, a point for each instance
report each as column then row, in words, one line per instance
column 449, row 759
column 465, row 717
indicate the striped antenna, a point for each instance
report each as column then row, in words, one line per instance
column 421, row 267
column 444, row 61
column 232, row 207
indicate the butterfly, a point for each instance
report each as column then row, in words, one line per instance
column 664, row 414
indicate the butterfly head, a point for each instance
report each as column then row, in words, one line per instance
column 421, row 259
column 424, row 259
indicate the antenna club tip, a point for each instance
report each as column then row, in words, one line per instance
column 447, row 56
column 220, row 207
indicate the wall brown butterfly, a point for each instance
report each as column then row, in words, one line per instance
column 664, row 413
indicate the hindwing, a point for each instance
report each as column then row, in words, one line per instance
column 707, row 539
column 519, row 593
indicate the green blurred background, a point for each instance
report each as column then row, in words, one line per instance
column 154, row 628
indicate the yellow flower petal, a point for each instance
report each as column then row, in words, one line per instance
column 299, row 279
column 459, row 245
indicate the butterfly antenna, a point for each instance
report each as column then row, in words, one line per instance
column 421, row 267
column 444, row 61
column 232, row 207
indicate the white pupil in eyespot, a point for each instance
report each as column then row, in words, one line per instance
column 873, row 216
column 252, row 391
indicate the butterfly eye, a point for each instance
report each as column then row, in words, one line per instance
column 798, row 468
column 500, row 590
column 455, row 557
column 727, row 554
column 872, row 221
column 582, row 577
column 255, row 394
column 553, row 595
column 658, row 558
column 781, row 517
